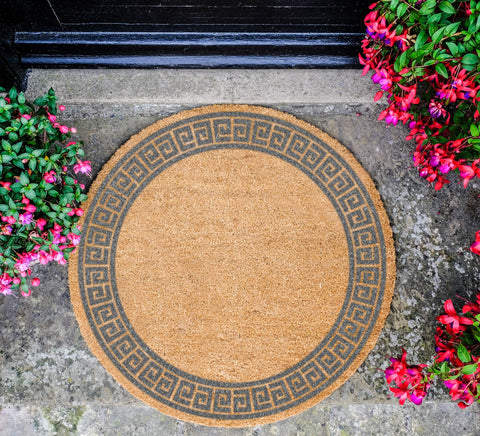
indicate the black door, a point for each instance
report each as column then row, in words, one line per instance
column 188, row 33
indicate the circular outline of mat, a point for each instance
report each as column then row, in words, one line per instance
column 371, row 274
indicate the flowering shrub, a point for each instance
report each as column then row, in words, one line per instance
column 425, row 57
column 457, row 360
column 39, row 198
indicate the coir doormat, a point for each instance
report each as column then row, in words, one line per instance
column 236, row 266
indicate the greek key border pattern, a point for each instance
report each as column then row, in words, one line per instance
column 207, row 398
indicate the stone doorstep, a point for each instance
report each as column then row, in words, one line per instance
column 200, row 86
column 322, row 420
column 428, row 243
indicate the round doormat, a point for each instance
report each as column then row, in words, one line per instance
column 236, row 265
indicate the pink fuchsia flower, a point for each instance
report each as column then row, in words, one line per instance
column 74, row 238
column 6, row 230
column 82, row 167
column 5, row 279
column 474, row 308
column 58, row 256
column 467, row 173
column 23, row 263
column 27, row 294
column 444, row 347
column 73, row 130
column 436, row 109
column 52, row 118
column 6, row 185
column 378, row 96
column 445, row 166
column 5, row 290
column 41, row 223
column 459, row 391
column 454, row 322
column 44, row 257
column 50, row 177
column 36, row 281
column 9, row 219
column 408, row 378
column 25, row 218
column 434, row 161
column 61, row 108
column 30, row 208
column 390, row 116
column 77, row 212
column 475, row 247
column 26, row 116
column 63, row 129
column 418, row 394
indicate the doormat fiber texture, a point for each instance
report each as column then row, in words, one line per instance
column 236, row 265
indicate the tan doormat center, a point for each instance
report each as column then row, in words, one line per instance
column 236, row 266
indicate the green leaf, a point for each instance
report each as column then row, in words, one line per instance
column 442, row 70
column 38, row 152
column 452, row 28
column 16, row 147
column 24, row 180
column 32, row 164
column 401, row 9
column 474, row 130
column 463, row 354
column 470, row 59
column 453, row 48
column 13, row 93
column 469, row 369
column 400, row 62
column 428, row 7
column 437, row 36
column 69, row 180
column 40, row 101
column 421, row 39
column 447, row 8
column 30, row 193
column 21, row 98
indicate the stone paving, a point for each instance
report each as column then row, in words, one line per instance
column 51, row 384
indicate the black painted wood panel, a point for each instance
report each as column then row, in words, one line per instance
column 174, row 33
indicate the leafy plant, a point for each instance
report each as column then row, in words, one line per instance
column 425, row 55
column 457, row 360
column 39, row 197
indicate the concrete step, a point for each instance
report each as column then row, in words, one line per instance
column 50, row 383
